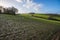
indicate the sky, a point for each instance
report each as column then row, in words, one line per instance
column 37, row 6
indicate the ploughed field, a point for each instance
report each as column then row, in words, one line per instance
column 25, row 27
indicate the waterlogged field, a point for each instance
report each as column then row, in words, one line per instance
column 26, row 27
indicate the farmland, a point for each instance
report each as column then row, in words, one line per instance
column 26, row 27
column 46, row 16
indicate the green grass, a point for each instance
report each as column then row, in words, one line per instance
column 40, row 19
column 26, row 27
column 45, row 16
column 42, row 15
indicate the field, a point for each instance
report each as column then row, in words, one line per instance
column 46, row 16
column 26, row 27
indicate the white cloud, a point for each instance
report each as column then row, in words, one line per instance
column 24, row 6
column 23, row 0
column 5, row 3
column 19, row 0
column 30, row 6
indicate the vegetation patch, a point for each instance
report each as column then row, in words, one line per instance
column 26, row 27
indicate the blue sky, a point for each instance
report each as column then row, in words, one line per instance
column 38, row 6
column 52, row 6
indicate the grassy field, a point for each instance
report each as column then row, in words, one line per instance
column 26, row 27
column 46, row 16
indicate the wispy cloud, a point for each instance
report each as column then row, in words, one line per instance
column 30, row 6
column 24, row 6
column 19, row 0
column 6, row 3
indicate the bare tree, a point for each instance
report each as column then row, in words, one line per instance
column 12, row 10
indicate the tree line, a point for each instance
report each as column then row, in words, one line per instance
column 9, row 10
